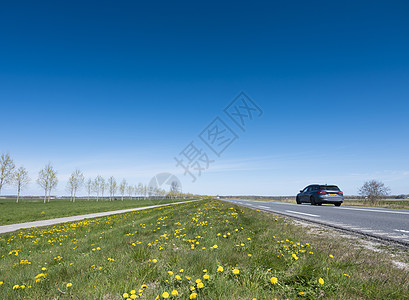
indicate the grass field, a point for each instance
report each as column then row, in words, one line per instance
column 34, row 209
column 201, row 250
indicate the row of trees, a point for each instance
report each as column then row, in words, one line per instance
column 47, row 179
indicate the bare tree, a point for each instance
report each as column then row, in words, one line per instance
column 103, row 187
column 89, row 187
column 122, row 188
column 6, row 170
column 75, row 182
column 21, row 179
column 47, row 179
column 70, row 186
column 129, row 190
column 373, row 191
column 174, row 189
column 112, row 187
column 53, row 182
column 96, row 186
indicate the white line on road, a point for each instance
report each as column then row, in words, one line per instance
column 401, row 230
column 296, row 212
column 376, row 210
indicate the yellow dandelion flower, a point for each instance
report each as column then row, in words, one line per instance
column 154, row 260
column 206, row 276
column 200, row 285
column 220, row 269
column 273, row 280
column 205, row 271
column 236, row 271
column 332, row 256
column 321, row 281
column 165, row 295
column 193, row 296
column 15, row 287
column 177, row 277
column 133, row 296
column 133, row 292
column 181, row 270
column 301, row 293
column 174, row 293
column 170, row 273
column 294, row 256
column 346, row 275
column 69, row 284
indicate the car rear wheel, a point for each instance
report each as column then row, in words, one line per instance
column 312, row 200
column 337, row 204
column 297, row 199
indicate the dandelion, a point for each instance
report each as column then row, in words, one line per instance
column 177, row 277
column 165, row 295
column 44, row 269
column 15, row 287
column 193, row 296
column 321, row 281
column 125, row 295
column 133, row 296
column 170, row 273
column 220, row 269
column 346, row 275
column 69, row 284
column 1, row 282
column 206, row 276
column 174, row 293
column 200, row 285
column 301, row 293
column 133, row 292
column 295, row 256
column 249, row 255
column 181, row 270
column 205, row 271
column 332, row 256
column 274, row 280
column 154, row 260
column 236, row 271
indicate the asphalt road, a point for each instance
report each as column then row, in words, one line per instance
column 385, row 224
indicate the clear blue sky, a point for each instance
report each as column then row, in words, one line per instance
column 121, row 88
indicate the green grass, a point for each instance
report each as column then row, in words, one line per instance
column 34, row 209
column 104, row 258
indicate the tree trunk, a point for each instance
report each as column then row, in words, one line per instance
column 18, row 194
column 45, row 196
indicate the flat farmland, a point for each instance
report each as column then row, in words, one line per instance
column 206, row 249
column 34, row 209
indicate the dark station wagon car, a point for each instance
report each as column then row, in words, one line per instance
column 317, row 194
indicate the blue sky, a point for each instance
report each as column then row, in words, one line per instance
column 122, row 88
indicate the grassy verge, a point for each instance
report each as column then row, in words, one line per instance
column 199, row 250
column 34, row 209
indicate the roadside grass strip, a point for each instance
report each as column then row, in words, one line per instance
column 207, row 249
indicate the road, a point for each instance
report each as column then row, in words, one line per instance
column 385, row 224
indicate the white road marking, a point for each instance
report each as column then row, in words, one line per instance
column 262, row 206
column 376, row 210
column 401, row 230
column 296, row 212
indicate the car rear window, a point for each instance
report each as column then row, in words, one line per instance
column 329, row 188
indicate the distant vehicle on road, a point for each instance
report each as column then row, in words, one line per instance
column 317, row 194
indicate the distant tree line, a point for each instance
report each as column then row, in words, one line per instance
column 47, row 179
